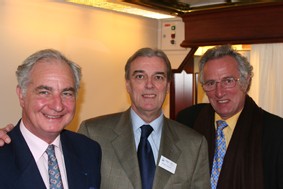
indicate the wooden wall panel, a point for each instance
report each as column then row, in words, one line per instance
column 246, row 24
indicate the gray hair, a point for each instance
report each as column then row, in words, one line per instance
column 24, row 69
column 148, row 52
column 244, row 66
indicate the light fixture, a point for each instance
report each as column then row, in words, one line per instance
column 118, row 6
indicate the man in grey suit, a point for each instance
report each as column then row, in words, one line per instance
column 180, row 153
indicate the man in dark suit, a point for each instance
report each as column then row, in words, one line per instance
column 47, row 89
column 253, row 137
column 179, row 153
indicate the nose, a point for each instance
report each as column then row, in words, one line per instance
column 149, row 83
column 219, row 90
column 56, row 103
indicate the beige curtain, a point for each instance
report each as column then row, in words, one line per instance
column 267, row 84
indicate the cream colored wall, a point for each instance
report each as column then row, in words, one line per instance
column 99, row 41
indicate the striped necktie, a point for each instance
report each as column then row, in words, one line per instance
column 55, row 180
column 220, row 150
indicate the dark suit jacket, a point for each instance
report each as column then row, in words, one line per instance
column 82, row 156
column 271, row 148
column 120, row 168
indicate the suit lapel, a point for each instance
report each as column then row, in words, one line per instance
column 27, row 172
column 124, row 146
column 169, row 150
column 77, row 177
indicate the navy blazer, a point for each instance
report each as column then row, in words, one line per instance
column 82, row 156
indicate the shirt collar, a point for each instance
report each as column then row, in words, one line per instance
column 36, row 145
column 138, row 122
column 231, row 121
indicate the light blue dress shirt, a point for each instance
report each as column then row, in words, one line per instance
column 155, row 136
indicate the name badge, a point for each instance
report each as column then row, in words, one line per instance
column 167, row 164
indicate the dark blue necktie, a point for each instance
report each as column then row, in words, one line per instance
column 146, row 159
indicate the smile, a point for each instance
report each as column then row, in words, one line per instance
column 149, row 95
column 53, row 116
column 222, row 101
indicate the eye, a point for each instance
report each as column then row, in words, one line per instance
column 68, row 94
column 228, row 81
column 209, row 83
column 139, row 76
column 43, row 92
column 159, row 77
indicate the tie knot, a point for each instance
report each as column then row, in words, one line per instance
column 221, row 124
column 145, row 131
column 50, row 150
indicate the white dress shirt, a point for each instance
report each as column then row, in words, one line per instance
column 37, row 147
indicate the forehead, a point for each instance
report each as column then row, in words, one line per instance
column 51, row 70
column 223, row 65
column 148, row 64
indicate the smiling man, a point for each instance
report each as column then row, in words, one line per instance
column 142, row 149
column 42, row 154
column 175, row 156
column 249, row 139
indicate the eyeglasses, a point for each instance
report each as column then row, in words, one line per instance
column 228, row 82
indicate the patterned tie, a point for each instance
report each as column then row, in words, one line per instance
column 146, row 159
column 219, row 154
column 53, row 169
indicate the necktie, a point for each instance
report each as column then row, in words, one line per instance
column 53, row 169
column 146, row 159
column 220, row 150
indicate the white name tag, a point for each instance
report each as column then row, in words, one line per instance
column 167, row 164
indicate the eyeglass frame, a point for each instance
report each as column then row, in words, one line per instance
column 222, row 83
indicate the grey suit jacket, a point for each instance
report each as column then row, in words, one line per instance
column 120, row 168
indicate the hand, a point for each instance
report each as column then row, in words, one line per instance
column 4, row 138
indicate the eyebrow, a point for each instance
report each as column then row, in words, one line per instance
column 161, row 73
column 142, row 71
column 69, row 89
column 43, row 87
column 138, row 71
column 50, row 88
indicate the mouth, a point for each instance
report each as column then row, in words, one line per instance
column 149, row 95
column 53, row 116
column 222, row 101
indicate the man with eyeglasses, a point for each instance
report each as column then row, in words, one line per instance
column 246, row 150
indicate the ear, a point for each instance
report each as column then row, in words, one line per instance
column 249, row 80
column 168, row 87
column 128, row 85
column 20, row 95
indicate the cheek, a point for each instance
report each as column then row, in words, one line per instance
column 209, row 94
column 34, row 103
column 70, row 104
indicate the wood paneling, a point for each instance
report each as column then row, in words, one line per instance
column 246, row 24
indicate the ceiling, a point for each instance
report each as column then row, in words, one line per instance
column 160, row 9
column 177, row 7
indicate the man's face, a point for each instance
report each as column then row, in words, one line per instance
column 226, row 102
column 147, row 86
column 49, row 103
